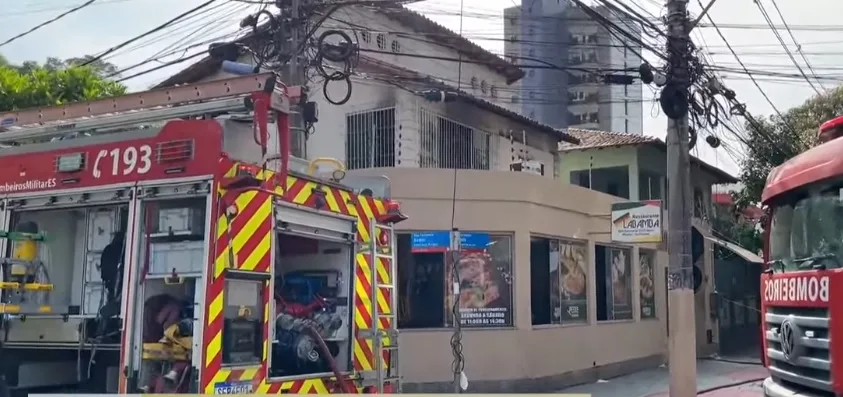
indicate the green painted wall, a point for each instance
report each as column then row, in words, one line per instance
column 601, row 158
column 637, row 159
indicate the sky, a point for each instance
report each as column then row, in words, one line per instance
column 107, row 23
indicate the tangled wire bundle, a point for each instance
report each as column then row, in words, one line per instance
column 344, row 53
column 333, row 54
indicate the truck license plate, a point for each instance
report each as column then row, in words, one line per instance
column 233, row 388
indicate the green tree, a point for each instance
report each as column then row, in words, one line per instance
column 45, row 85
column 770, row 141
column 102, row 68
column 728, row 224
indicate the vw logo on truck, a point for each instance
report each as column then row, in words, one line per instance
column 788, row 335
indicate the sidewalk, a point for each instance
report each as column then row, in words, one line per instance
column 654, row 382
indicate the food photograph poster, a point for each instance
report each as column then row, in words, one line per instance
column 569, row 300
column 619, row 284
column 485, row 294
column 646, row 262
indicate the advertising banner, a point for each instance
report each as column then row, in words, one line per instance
column 637, row 222
column 618, row 284
column 646, row 279
column 569, row 296
column 485, row 290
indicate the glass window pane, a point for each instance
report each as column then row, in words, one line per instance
column 485, row 298
column 570, row 279
column 619, row 284
column 647, row 285
column 243, row 324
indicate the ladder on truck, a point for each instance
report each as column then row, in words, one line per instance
column 200, row 99
column 204, row 99
column 384, row 339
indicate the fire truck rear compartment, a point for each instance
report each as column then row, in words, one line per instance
column 172, row 254
column 50, row 343
column 313, row 295
column 71, row 254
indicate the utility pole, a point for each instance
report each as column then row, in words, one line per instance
column 456, row 251
column 682, row 354
column 295, row 75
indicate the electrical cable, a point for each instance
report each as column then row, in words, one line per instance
column 730, row 361
column 798, row 46
column 784, row 45
column 218, row 15
column 738, row 108
column 617, row 32
column 270, row 49
column 149, row 32
column 730, row 385
column 458, row 363
column 336, row 53
column 478, row 62
column 49, row 21
column 162, row 66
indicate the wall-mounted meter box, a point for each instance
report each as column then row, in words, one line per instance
column 184, row 220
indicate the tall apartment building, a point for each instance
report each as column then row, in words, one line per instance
column 552, row 38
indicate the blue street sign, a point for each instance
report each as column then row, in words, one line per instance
column 440, row 241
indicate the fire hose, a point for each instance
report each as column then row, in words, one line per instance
column 729, row 385
column 326, row 354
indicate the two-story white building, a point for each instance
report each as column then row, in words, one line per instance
column 450, row 165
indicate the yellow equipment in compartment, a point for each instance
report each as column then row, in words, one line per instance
column 25, row 276
column 172, row 347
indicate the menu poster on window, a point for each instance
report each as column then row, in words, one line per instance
column 568, row 275
column 484, row 292
column 647, row 286
column 619, row 285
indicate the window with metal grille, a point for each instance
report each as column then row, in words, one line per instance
column 370, row 139
column 448, row 144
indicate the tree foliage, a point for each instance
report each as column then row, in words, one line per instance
column 54, row 82
column 728, row 224
column 770, row 141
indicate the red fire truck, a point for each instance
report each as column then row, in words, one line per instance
column 166, row 242
column 803, row 250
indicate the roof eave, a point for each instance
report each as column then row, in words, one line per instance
column 722, row 177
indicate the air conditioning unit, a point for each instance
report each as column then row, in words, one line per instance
column 529, row 166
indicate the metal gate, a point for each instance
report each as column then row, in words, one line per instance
column 737, row 283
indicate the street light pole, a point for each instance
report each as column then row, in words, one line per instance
column 682, row 353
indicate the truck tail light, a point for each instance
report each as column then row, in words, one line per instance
column 393, row 212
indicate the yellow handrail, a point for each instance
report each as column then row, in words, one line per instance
column 339, row 167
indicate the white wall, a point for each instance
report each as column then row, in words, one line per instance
column 329, row 138
column 363, row 19
column 540, row 146
column 370, row 92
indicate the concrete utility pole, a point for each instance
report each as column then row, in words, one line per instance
column 682, row 321
column 296, row 73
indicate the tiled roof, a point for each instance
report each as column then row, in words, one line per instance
column 594, row 139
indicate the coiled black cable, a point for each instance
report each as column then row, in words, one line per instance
column 458, row 365
column 342, row 53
